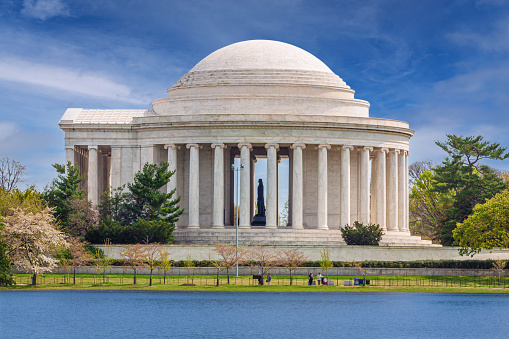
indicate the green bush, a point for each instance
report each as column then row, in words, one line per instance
column 142, row 231
column 360, row 234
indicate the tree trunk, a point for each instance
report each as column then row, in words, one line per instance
column 150, row 283
column 134, row 281
column 228, row 274
column 291, row 278
column 74, row 276
column 164, row 278
column 217, row 278
column 34, row 279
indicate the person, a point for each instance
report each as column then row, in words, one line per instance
column 310, row 277
column 269, row 278
column 319, row 278
column 324, row 281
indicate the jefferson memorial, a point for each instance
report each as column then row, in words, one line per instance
column 254, row 100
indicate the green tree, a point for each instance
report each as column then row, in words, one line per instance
column 165, row 262
column 189, row 266
column 29, row 200
column 69, row 203
column 146, row 201
column 5, row 262
column 142, row 214
column 325, row 262
column 113, row 206
column 486, row 228
column 427, row 206
column 471, row 181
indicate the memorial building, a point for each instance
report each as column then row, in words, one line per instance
column 250, row 100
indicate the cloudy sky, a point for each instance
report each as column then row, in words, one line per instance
column 442, row 66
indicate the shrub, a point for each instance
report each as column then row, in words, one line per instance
column 142, row 231
column 360, row 234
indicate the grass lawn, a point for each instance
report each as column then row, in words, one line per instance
column 246, row 283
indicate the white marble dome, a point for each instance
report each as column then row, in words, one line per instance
column 261, row 77
column 261, row 54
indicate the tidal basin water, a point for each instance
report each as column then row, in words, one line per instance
column 115, row 314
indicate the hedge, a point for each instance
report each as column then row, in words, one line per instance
column 456, row 264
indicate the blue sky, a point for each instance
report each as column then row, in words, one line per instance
column 442, row 66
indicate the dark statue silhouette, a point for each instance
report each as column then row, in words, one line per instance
column 259, row 218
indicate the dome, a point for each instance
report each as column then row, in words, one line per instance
column 261, row 62
column 260, row 79
column 261, row 54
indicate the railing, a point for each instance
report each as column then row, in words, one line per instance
column 127, row 279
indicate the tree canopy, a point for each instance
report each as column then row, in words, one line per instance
column 487, row 227
column 143, row 213
column 72, row 209
column 471, row 181
column 147, row 201
column 428, row 206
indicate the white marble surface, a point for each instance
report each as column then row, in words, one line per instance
column 217, row 213
column 272, row 186
column 194, row 185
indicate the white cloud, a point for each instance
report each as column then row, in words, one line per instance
column 84, row 83
column 7, row 129
column 494, row 39
column 44, row 9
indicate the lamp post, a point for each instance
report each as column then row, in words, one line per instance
column 237, row 218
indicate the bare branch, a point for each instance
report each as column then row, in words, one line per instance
column 11, row 173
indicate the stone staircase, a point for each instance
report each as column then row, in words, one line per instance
column 285, row 237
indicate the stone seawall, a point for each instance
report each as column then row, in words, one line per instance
column 340, row 253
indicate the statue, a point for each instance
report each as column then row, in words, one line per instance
column 260, row 202
column 259, row 218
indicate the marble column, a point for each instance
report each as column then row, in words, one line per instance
column 69, row 156
column 172, row 167
column 401, row 191
column 322, row 215
column 116, row 162
column 194, row 185
column 271, row 209
column 392, row 191
column 374, row 194
column 218, row 205
column 244, row 207
column 345, row 186
column 93, row 182
column 405, row 227
column 364, row 193
column 298, row 186
column 380, row 189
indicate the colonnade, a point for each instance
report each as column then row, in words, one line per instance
column 382, row 192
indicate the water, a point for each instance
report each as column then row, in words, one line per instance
column 116, row 314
